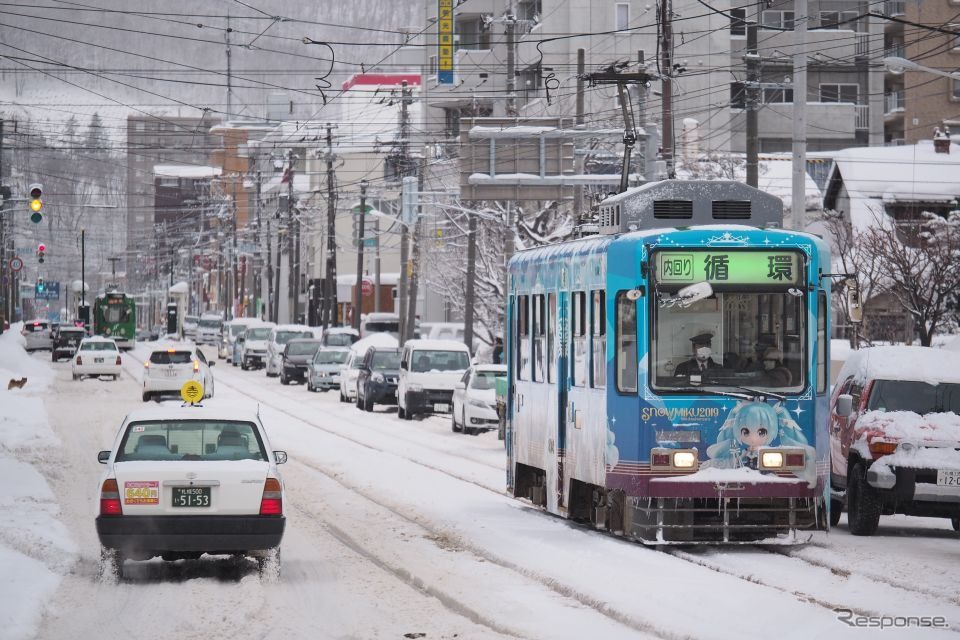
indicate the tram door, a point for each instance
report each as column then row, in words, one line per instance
column 558, row 345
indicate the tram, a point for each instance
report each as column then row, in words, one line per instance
column 115, row 316
column 668, row 377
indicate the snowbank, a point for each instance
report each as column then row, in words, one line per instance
column 15, row 362
column 746, row 476
column 907, row 425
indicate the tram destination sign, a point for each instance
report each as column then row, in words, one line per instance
column 729, row 267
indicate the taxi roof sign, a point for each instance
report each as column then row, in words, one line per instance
column 191, row 391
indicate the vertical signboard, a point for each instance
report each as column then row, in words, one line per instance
column 445, row 42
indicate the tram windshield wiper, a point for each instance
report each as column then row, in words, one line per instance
column 761, row 393
column 711, row 390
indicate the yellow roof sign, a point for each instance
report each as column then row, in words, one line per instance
column 191, row 391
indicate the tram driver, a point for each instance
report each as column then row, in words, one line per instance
column 701, row 360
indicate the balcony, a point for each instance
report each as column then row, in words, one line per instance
column 863, row 117
column 894, row 7
column 893, row 102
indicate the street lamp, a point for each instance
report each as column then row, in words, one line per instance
column 898, row 65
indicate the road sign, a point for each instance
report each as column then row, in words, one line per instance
column 366, row 287
column 50, row 291
column 16, row 264
column 191, row 391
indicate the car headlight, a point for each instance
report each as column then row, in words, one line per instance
column 416, row 388
column 377, row 377
column 478, row 403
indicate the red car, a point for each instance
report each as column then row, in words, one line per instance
column 895, row 436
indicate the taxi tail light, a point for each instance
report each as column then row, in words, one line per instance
column 272, row 502
column 110, row 499
column 196, row 366
column 118, row 361
column 146, row 364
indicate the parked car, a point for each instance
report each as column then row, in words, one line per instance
column 380, row 323
column 280, row 335
column 296, row 358
column 231, row 331
column 377, row 377
column 253, row 347
column 37, row 335
column 475, row 399
column 66, row 342
column 339, row 337
column 183, row 481
column 894, row 419
column 348, row 377
column 209, row 329
column 170, row 365
column 324, row 370
column 429, row 369
column 190, row 324
column 96, row 356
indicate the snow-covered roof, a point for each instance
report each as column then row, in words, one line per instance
column 436, row 345
column 337, row 330
column 292, row 327
column 534, row 180
column 374, row 340
column 922, row 364
column 350, row 279
column 939, row 427
column 301, row 183
column 908, row 173
column 534, row 132
column 185, row 171
column 180, row 287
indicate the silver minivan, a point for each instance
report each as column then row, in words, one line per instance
column 37, row 335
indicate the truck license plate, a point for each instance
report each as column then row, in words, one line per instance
column 191, row 496
column 948, row 477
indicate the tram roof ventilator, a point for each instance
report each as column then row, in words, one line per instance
column 687, row 203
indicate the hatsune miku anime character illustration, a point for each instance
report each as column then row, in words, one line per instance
column 751, row 425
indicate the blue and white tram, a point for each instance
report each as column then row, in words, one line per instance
column 668, row 377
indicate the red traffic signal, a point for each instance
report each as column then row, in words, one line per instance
column 42, row 248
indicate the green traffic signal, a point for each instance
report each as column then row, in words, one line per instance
column 36, row 217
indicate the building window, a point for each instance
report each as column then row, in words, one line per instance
column 955, row 89
column 623, row 16
column 738, row 96
column 529, row 82
column 839, row 20
column 777, row 96
column 840, row 93
column 432, row 66
column 471, row 34
column 451, row 122
column 529, row 9
column 738, row 22
column 772, row 19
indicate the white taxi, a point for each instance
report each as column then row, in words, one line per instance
column 96, row 356
column 183, row 481
column 172, row 364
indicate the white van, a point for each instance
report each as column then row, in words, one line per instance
column 429, row 371
column 380, row 323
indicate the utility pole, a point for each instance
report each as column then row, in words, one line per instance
column 578, row 159
column 376, row 267
column 269, row 265
column 229, row 71
column 329, row 312
column 666, row 68
column 411, row 323
column 257, row 267
column 408, row 201
column 293, row 243
column 511, row 21
column 358, row 294
column 752, row 99
column 798, row 206
column 113, row 268
column 468, row 312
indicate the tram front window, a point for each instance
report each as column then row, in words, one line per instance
column 731, row 339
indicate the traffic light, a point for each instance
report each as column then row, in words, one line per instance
column 36, row 203
column 41, row 249
column 41, row 286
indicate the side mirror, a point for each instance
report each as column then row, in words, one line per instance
column 212, row 363
column 844, row 405
column 403, row 364
column 103, row 457
column 280, row 457
column 854, row 304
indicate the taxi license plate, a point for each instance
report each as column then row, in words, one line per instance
column 98, row 360
column 191, row 497
column 171, row 373
column 441, row 407
column 948, row 478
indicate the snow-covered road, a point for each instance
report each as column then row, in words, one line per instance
column 398, row 527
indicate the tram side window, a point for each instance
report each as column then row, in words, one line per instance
column 598, row 329
column 539, row 337
column 822, row 362
column 579, row 324
column 523, row 337
column 551, row 337
column 626, row 344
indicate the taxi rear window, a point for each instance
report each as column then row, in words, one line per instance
column 33, row 328
column 191, row 440
column 98, row 346
column 167, row 357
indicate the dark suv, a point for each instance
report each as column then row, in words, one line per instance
column 296, row 359
column 894, row 418
column 377, row 382
column 66, row 341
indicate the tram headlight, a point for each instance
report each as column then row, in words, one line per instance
column 782, row 459
column 684, row 459
column 771, row 460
